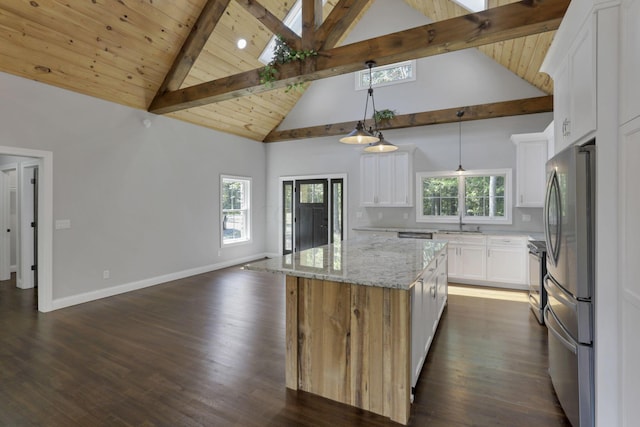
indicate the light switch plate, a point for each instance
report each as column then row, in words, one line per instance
column 62, row 224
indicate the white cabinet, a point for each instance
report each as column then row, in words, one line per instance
column 487, row 259
column 385, row 179
column 575, row 89
column 507, row 260
column 428, row 297
column 531, row 156
column 467, row 256
column 442, row 283
column 630, row 61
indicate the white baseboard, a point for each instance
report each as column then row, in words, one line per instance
column 145, row 283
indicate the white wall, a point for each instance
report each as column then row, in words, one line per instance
column 143, row 202
column 486, row 144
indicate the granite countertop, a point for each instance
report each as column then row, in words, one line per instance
column 370, row 261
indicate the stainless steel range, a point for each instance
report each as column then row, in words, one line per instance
column 537, row 271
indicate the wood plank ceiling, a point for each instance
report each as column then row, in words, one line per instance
column 121, row 51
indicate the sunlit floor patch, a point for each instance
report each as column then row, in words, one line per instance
column 486, row 292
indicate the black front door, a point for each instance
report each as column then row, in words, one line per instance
column 312, row 213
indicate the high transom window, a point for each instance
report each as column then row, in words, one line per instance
column 385, row 75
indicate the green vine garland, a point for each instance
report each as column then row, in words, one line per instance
column 382, row 115
column 282, row 54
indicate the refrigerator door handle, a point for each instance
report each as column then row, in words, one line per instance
column 570, row 344
column 558, row 293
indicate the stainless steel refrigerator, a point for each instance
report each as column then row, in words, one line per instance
column 569, row 216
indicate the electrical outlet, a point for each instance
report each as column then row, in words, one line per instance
column 106, row 274
column 405, row 215
column 526, row 218
column 359, row 214
column 219, row 253
column 379, row 215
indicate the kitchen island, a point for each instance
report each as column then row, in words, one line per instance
column 360, row 317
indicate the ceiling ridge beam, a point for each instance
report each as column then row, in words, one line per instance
column 502, row 23
column 329, row 34
column 541, row 104
column 193, row 45
column 272, row 22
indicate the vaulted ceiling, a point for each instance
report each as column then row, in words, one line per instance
column 180, row 57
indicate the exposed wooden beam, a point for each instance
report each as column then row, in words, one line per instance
column 338, row 22
column 311, row 19
column 269, row 20
column 542, row 104
column 476, row 29
column 193, row 45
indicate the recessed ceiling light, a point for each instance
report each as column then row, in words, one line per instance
column 242, row 43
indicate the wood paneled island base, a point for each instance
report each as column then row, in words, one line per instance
column 350, row 343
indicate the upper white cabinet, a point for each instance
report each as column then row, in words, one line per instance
column 385, row 179
column 531, row 156
column 630, row 61
column 575, row 88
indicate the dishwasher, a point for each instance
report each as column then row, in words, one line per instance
column 415, row 235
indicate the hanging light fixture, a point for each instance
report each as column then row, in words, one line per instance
column 460, row 113
column 382, row 146
column 360, row 135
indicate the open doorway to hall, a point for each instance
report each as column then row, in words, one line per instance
column 19, row 221
column 25, row 223
column 313, row 212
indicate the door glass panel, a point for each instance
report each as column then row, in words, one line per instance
column 287, row 220
column 336, row 215
column 312, row 193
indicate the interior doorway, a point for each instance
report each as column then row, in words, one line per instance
column 34, row 220
column 312, row 212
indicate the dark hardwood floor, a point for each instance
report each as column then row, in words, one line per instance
column 209, row 351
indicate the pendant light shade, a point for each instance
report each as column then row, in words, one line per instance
column 382, row 146
column 460, row 113
column 360, row 135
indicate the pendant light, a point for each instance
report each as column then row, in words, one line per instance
column 360, row 135
column 382, row 146
column 460, row 113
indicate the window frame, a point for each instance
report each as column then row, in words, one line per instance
column 466, row 219
column 248, row 183
column 361, row 73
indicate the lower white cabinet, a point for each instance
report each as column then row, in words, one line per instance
column 507, row 259
column 467, row 256
column 428, row 298
column 487, row 259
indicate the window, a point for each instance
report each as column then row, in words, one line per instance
column 480, row 197
column 293, row 20
column 385, row 75
column 235, row 201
